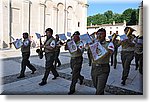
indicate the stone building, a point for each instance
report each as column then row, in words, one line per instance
column 18, row 16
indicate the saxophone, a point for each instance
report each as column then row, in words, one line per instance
column 40, row 51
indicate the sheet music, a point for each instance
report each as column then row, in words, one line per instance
column 123, row 37
column 97, row 50
column 72, row 46
column 62, row 37
column 18, row 43
column 38, row 35
column 85, row 38
column 69, row 34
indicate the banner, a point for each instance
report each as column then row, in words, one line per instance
column 85, row 38
column 97, row 50
column 72, row 46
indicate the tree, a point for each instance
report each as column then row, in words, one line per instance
column 109, row 15
column 130, row 15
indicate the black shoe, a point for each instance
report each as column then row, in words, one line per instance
column 81, row 81
column 42, row 83
column 71, row 92
column 55, row 77
column 33, row 71
column 89, row 64
column 136, row 68
column 114, row 67
column 123, row 82
column 21, row 76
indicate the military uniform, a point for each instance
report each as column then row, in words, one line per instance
column 100, row 70
column 25, row 49
column 76, row 65
column 139, row 55
column 57, row 52
column 127, row 55
column 50, row 57
column 114, row 54
column 89, row 56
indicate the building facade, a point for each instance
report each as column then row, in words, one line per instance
column 34, row 16
column 117, row 28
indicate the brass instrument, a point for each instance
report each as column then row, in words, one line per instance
column 40, row 51
column 130, row 30
column 114, row 36
column 130, row 38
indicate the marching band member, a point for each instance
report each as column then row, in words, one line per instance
column 76, row 63
column 138, row 53
column 114, row 54
column 25, row 49
column 127, row 53
column 49, row 48
column 57, row 50
column 100, row 67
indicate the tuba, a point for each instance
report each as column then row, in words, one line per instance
column 40, row 51
column 130, row 31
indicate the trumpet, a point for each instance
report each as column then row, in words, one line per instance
column 40, row 51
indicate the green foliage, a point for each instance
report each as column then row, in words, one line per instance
column 130, row 15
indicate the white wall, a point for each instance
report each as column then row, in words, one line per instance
column 41, row 14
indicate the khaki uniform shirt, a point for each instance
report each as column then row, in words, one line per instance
column 26, row 46
column 128, row 45
column 79, row 51
column 50, row 42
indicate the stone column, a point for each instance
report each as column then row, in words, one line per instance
column 141, row 18
column 1, row 25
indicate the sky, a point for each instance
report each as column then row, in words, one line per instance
column 117, row 6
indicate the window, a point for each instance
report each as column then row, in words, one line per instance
column 78, row 24
column 110, row 32
column 116, row 32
